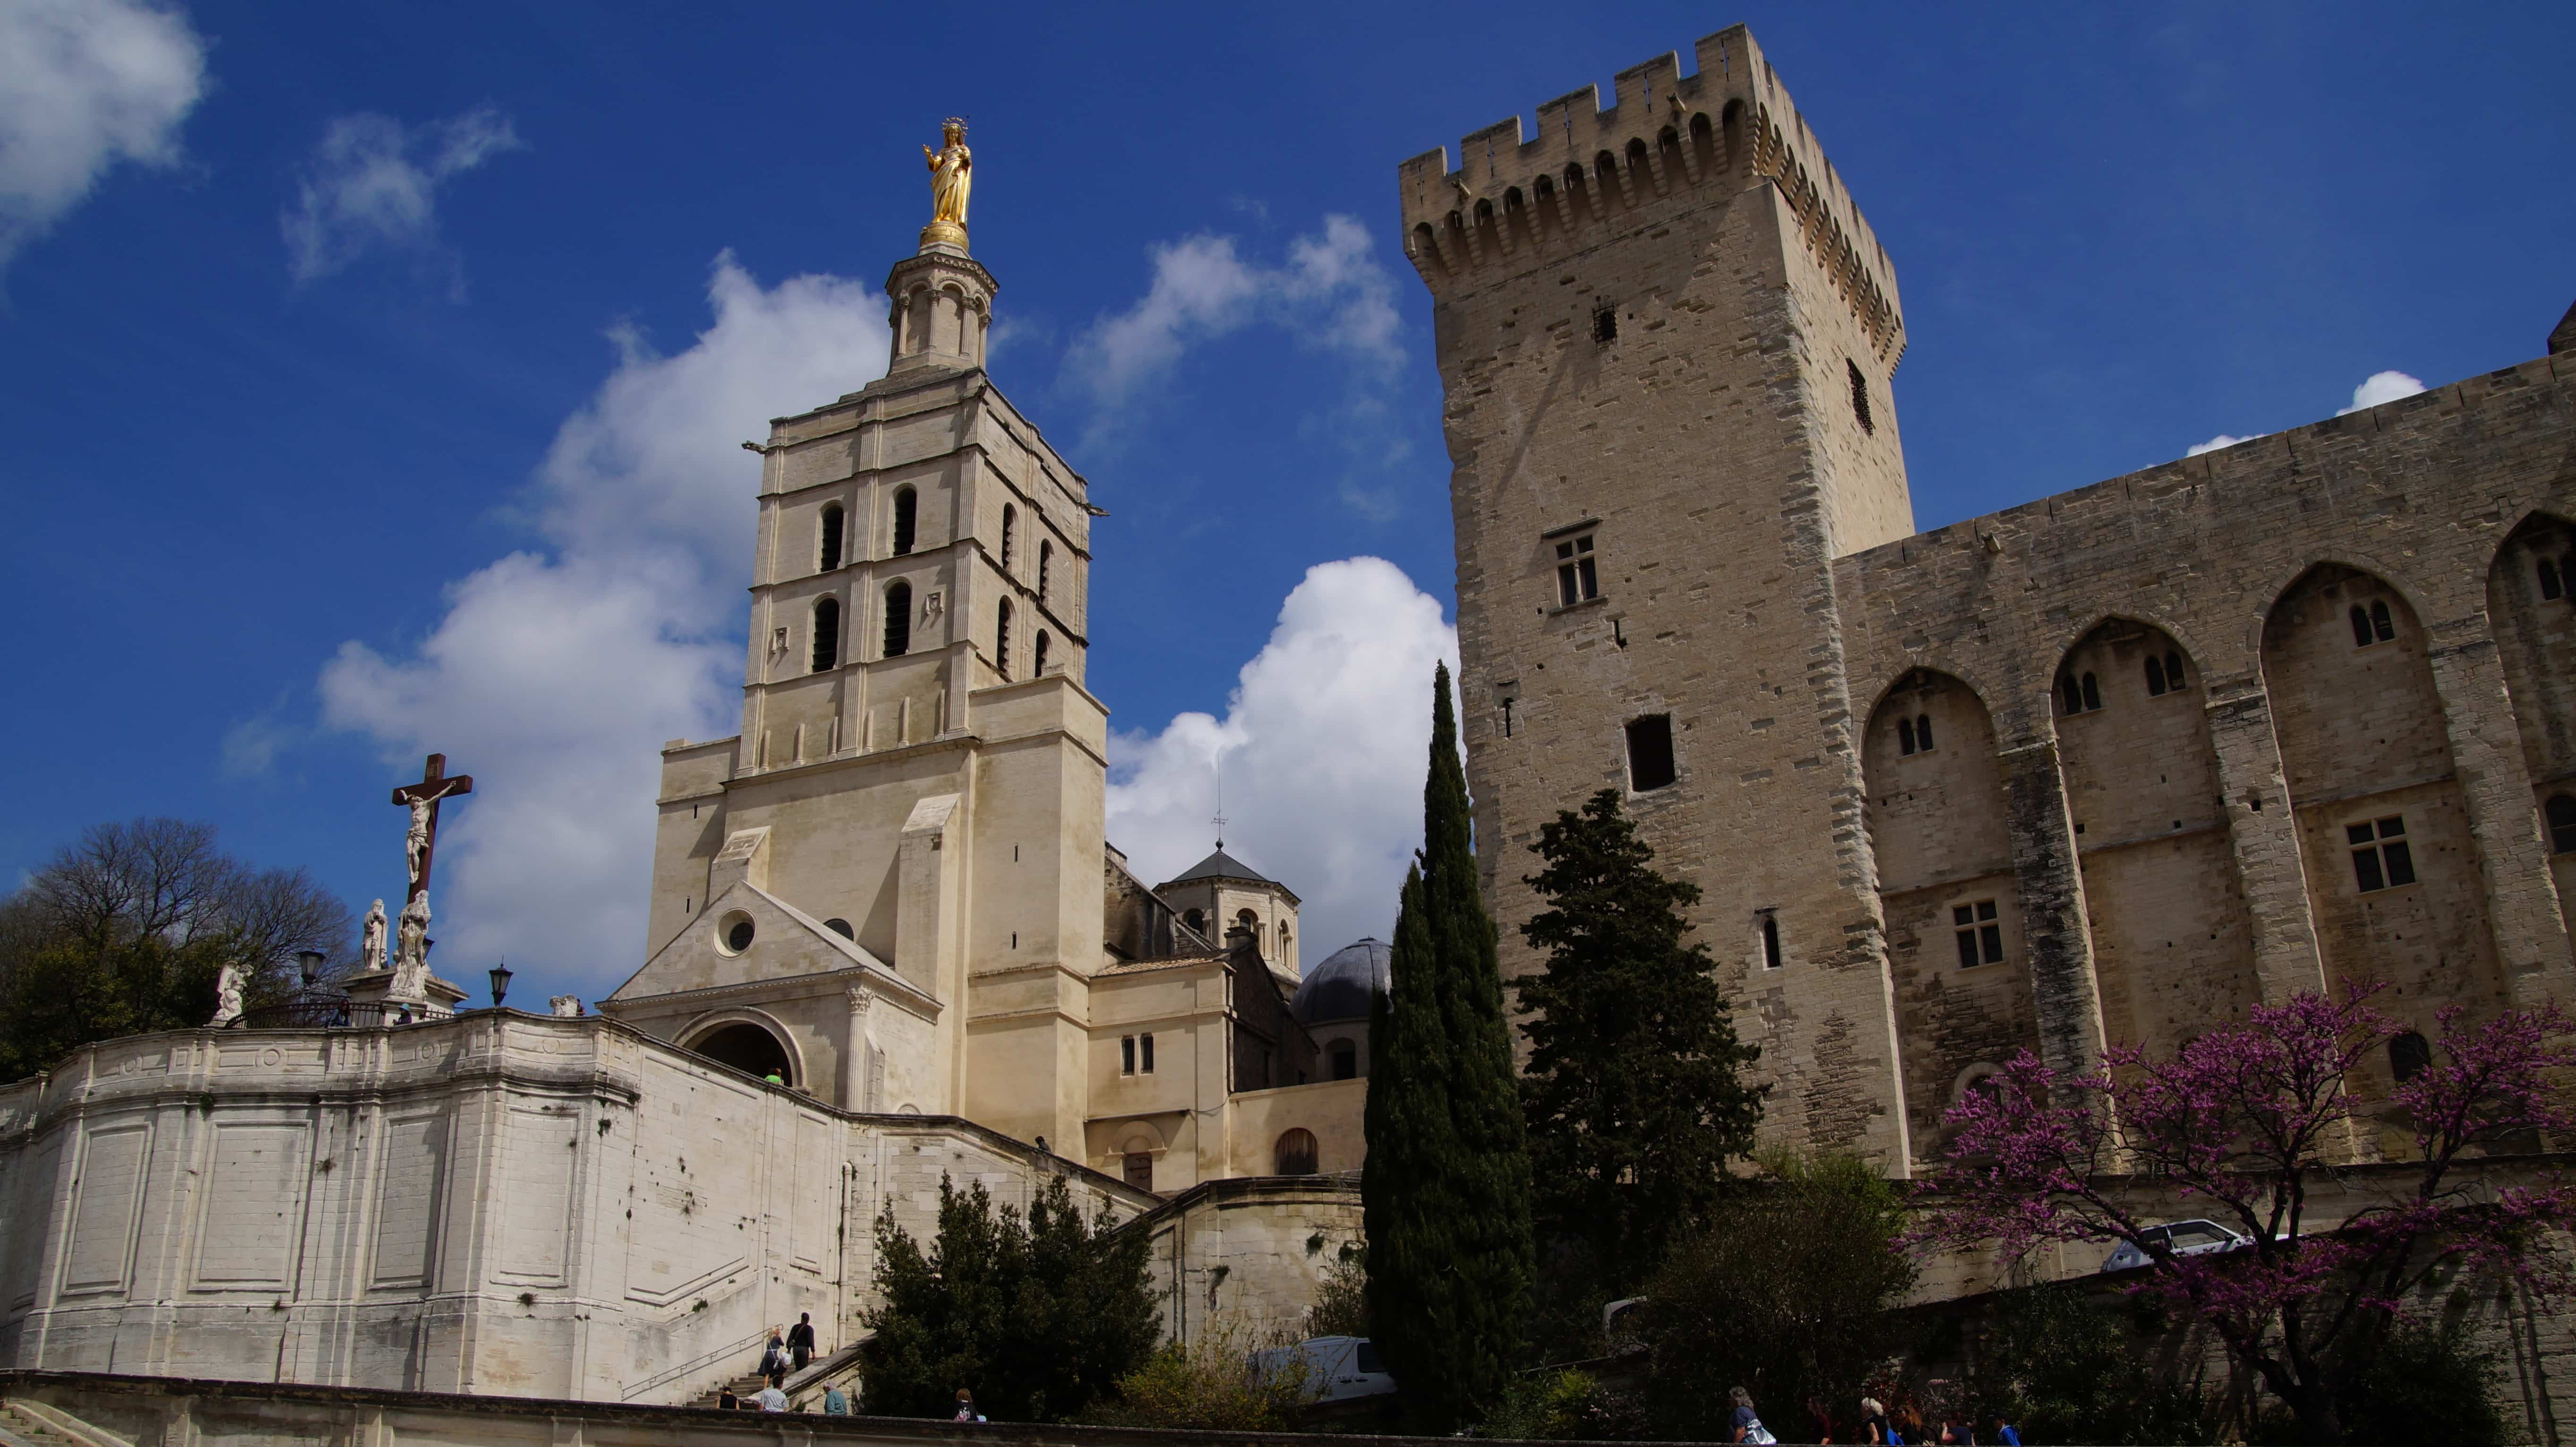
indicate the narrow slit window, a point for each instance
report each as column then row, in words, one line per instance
column 1904, row 736
column 1046, row 567
column 1144, row 1054
column 1038, row 655
column 1126, row 1054
column 1770, row 941
column 907, row 507
column 2155, row 676
column 2092, row 694
column 1577, row 580
column 2173, row 671
column 1650, row 753
column 2380, row 856
column 898, row 618
column 1010, row 529
column 2360, row 626
column 1923, row 733
column 2550, row 587
column 831, row 537
column 1605, row 326
column 2382, row 628
column 2561, row 811
column 1860, row 396
column 827, row 633
column 1979, row 929
column 1002, row 639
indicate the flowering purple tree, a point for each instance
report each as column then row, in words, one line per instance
column 2245, row 1120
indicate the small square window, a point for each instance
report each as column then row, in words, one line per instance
column 1979, row 929
column 2381, row 858
column 1650, row 753
column 1577, row 580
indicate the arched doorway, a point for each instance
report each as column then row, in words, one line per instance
column 748, row 1048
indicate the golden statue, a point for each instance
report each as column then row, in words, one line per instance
column 952, row 176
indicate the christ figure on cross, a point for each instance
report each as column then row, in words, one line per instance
column 422, row 799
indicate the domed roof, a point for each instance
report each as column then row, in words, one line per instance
column 1339, row 988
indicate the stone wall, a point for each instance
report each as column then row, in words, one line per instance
column 497, row 1203
column 1248, row 1254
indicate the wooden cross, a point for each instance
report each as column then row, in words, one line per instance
column 422, row 800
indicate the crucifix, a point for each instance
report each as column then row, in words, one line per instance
column 422, row 799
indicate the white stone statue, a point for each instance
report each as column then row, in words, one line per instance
column 371, row 955
column 416, row 843
column 411, row 952
column 567, row 1004
column 228, row 997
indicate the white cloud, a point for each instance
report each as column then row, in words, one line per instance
column 2381, row 387
column 374, row 182
column 1330, row 293
column 1323, row 746
column 555, row 677
column 251, row 747
column 2376, row 388
column 85, row 84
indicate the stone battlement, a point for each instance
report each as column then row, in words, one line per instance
column 1516, row 199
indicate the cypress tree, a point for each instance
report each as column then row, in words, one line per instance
column 1446, row 1189
column 1634, row 1095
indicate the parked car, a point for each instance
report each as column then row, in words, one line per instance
column 2182, row 1238
column 1338, row 1368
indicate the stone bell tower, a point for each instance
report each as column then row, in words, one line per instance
column 1666, row 336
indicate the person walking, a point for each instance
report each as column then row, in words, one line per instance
column 1873, row 1420
column 2004, row 1433
column 800, row 1339
column 773, row 1355
column 1744, row 1424
column 773, row 1398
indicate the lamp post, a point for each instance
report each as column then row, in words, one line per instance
column 500, row 984
column 309, row 964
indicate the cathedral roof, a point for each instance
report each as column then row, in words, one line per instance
column 1222, row 865
column 1340, row 987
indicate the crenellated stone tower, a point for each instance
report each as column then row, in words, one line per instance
column 1666, row 336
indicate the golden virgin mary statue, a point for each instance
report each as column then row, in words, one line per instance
column 952, row 177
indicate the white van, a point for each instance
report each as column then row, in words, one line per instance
column 1338, row 1368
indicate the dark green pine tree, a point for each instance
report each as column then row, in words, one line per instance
column 1446, row 1189
column 1635, row 1095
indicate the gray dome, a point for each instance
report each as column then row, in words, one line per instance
column 1339, row 988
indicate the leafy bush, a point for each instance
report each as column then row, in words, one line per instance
column 2068, row 1368
column 1341, row 1301
column 1038, row 1317
column 1787, row 1291
column 1561, row 1406
column 1220, row 1382
column 2428, row 1384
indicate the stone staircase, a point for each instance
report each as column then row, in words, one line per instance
column 743, row 1386
column 22, row 1428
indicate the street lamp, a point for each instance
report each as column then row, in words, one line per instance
column 500, row 984
column 309, row 964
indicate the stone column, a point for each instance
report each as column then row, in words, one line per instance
column 854, row 1050
column 2486, row 755
column 2263, row 834
column 2056, row 933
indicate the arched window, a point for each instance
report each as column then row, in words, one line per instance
column 2562, row 824
column 2550, row 587
column 1296, row 1153
column 1345, row 1060
column 1905, row 736
column 2173, row 672
column 1010, row 526
column 2155, row 676
column 1038, row 655
column 2092, row 694
column 1002, row 639
column 2070, row 695
column 831, row 536
column 2408, row 1055
column 1195, row 920
column 827, row 633
column 840, row 927
column 898, row 618
column 1046, row 566
column 1923, row 733
column 2360, row 627
column 2380, row 623
column 1249, row 923
column 907, row 504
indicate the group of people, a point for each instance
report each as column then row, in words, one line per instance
column 1900, row 1428
column 790, row 1349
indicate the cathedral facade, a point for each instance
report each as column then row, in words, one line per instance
column 2107, row 767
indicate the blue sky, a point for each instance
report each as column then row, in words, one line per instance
column 370, row 374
